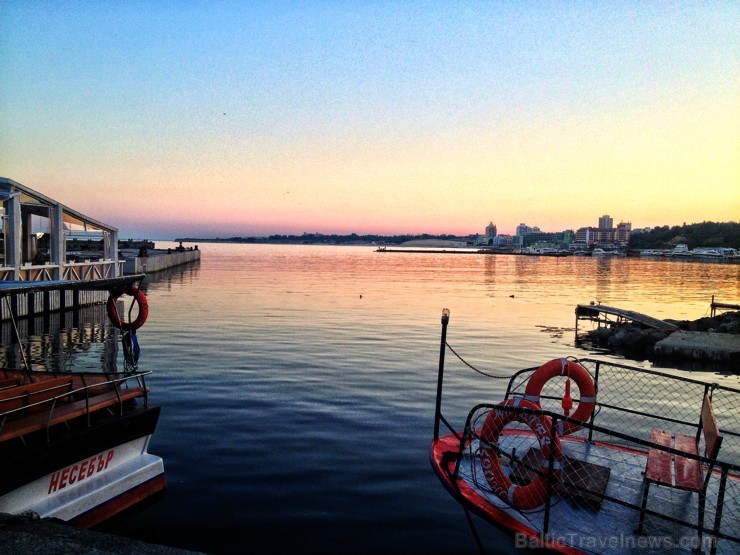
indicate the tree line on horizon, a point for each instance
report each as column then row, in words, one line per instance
column 704, row 234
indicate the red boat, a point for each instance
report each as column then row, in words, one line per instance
column 594, row 456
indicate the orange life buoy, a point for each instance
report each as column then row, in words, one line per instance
column 574, row 371
column 139, row 299
column 534, row 494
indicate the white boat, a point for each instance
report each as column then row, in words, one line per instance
column 713, row 254
column 73, row 444
column 651, row 252
column 646, row 461
column 681, row 251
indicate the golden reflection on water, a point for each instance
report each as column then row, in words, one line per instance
column 357, row 281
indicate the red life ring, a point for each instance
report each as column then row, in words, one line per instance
column 574, row 371
column 534, row 494
column 139, row 298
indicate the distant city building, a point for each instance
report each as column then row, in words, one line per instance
column 490, row 231
column 503, row 241
column 555, row 240
column 624, row 231
column 524, row 229
column 605, row 234
column 585, row 235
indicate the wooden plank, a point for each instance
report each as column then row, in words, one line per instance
column 10, row 382
column 39, row 421
column 687, row 471
column 644, row 319
column 712, row 438
column 26, row 394
column 659, row 467
column 25, row 389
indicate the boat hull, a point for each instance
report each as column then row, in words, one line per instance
column 85, row 475
column 575, row 525
column 442, row 456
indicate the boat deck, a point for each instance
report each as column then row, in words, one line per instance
column 610, row 526
column 30, row 407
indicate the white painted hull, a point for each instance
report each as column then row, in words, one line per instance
column 105, row 482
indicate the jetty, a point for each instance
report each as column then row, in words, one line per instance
column 148, row 262
column 30, row 219
column 50, row 245
column 713, row 339
column 714, row 306
column 609, row 316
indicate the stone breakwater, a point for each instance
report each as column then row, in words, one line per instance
column 636, row 342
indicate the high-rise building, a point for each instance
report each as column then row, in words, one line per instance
column 523, row 229
column 624, row 232
column 606, row 222
column 490, row 231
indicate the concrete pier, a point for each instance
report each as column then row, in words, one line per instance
column 699, row 345
column 160, row 260
column 27, row 533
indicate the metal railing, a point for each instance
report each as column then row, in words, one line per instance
column 77, row 394
column 88, row 270
column 721, row 520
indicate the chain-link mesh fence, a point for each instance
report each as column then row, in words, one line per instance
column 587, row 488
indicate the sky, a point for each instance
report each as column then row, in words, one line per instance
column 239, row 118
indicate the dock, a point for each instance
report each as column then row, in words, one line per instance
column 714, row 306
column 609, row 316
column 159, row 260
column 60, row 249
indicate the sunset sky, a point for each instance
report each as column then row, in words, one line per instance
column 222, row 118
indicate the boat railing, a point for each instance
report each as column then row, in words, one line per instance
column 64, row 403
column 639, row 399
column 585, row 485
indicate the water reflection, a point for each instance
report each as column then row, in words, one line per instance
column 80, row 340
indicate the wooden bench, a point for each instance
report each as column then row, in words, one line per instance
column 43, row 420
column 28, row 394
column 9, row 382
column 674, row 471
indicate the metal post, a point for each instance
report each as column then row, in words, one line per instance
column 718, row 512
column 550, row 472
column 440, row 373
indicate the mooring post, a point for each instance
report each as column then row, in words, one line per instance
column 440, row 373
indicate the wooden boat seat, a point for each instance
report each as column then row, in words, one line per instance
column 63, row 413
column 28, row 394
column 674, row 471
column 9, row 382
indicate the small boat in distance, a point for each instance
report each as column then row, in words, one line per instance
column 594, row 456
column 73, row 443
column 681, row 251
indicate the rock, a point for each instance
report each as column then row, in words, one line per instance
column 637, row 342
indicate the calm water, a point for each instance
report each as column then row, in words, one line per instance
column 297, row 383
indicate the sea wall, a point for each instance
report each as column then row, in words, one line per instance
column 159, row 261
